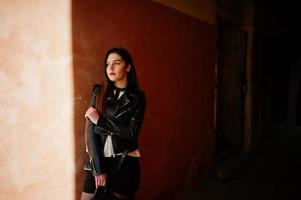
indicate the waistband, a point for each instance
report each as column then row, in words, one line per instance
column 135, row 153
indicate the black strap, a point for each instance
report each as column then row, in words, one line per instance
column 91, row 143
column 124, row 154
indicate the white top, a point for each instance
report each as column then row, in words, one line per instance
column 108, row 149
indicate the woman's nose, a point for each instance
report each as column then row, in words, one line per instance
column 110, row 67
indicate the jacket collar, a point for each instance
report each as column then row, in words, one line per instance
column 123, row 100
column 118, row 106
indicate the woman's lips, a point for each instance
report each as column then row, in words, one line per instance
column 112, row 73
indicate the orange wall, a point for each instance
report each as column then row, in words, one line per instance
column 174, row 56
column 36, row 101
column 204, row 10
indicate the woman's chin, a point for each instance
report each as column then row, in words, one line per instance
column 112, row 79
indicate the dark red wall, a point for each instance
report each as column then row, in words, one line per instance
column 174, row 57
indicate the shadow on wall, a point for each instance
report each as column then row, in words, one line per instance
column 174, row 56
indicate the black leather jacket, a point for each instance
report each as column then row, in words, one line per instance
column 122, row 119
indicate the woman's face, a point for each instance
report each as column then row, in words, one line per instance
column 117, row 69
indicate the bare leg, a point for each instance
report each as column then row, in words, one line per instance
column 87, row 196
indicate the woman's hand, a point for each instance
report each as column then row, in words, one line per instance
column 100, row 180
column 92, row 114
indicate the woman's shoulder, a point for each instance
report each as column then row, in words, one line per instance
column 137, row 93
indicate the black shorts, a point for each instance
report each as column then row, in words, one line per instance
column 123, row 181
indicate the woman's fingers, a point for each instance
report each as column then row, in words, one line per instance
column 92, row 114
column 103, row 183
column 88, row 112
column 97, row 181
column 100, row 180
column 104, row 179
column 96, row 185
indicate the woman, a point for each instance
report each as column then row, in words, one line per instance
column 118, row 125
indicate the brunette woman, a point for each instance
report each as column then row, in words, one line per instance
column 117, row 125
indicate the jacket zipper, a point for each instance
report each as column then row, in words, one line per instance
column 122, row 113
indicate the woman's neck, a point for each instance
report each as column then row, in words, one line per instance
column 121, row 83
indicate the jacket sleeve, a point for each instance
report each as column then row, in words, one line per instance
column 127, row 132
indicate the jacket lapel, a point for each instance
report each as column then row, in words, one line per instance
column 116, row 108
column 123, row 103
column 112, row 107
column 123, row 100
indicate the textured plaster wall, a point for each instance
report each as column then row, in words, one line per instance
column 36, row 102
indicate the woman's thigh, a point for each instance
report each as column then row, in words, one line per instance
column 87, row 196
column 124, row 197
column 126, row 180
